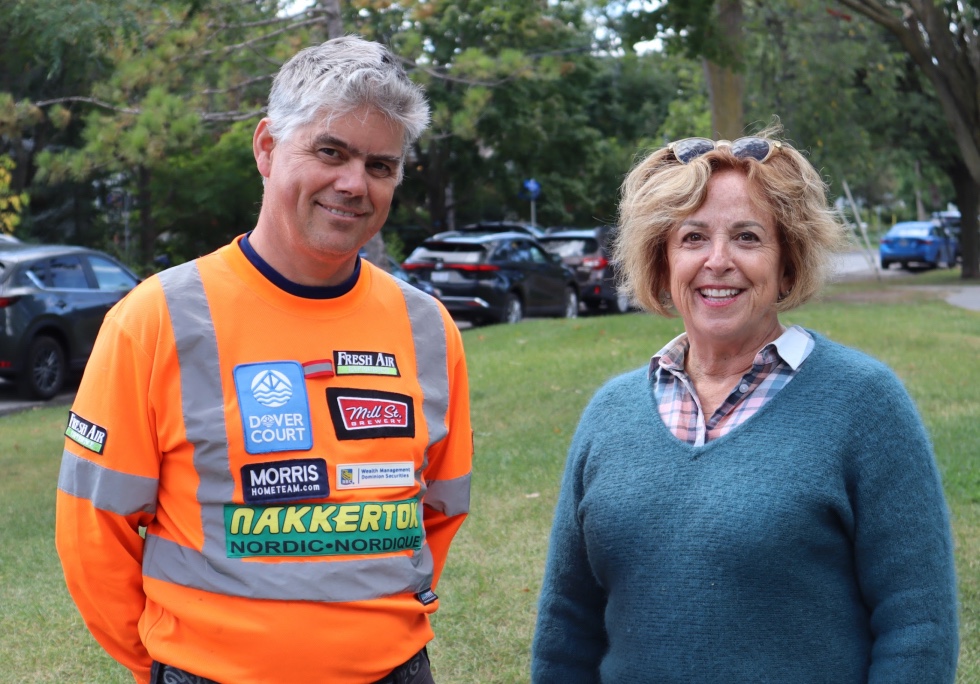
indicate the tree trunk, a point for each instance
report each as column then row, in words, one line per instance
column 332, row 19
column 725, row 84
column 968, row 202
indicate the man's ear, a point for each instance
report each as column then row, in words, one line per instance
column 262, row 147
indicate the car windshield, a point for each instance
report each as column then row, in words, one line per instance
column 570, row 247
column 909, row 231
column 454, row 252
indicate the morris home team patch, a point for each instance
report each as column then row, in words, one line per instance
column 277, row 481
column 368, row 414
column 86, row 433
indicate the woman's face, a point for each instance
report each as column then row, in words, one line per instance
column 726, row 268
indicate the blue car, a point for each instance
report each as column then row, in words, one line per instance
column 917, row 242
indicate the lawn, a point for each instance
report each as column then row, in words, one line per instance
column 529, row 384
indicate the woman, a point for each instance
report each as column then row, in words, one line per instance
column 760, row 504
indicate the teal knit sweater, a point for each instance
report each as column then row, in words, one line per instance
column 810, row 544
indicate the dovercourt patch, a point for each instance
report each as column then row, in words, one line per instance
column 365, row 363
column 86, row 433
column 274, row 407
column 368, row 414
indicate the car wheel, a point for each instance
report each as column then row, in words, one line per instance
column 571, row 303
column 513, row 310
column 44, row 373
column 622, row 303
column 885, row 265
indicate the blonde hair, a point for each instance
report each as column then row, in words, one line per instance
column 660, row 192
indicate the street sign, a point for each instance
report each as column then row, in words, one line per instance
column 532, row 189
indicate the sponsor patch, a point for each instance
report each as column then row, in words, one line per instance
column 426, row 597
column 368, row 414
column 361, row 475
column 365, row 528
column 274, row 407
column 91, row 436
column 285, row 481
column 365, row 363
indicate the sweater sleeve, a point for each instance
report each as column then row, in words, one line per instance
column 903, row 544
column 106, row 492
column 570, row 637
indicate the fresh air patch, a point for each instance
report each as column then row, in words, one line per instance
column 86, row 433
column 285, row 481
column 274, row 406
column 368, row 414
column 365, row 363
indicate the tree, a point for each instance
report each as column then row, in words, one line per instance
column 709, row 30
column 943, row 41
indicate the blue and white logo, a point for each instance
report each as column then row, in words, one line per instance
column 272, row 388
column 274, row 407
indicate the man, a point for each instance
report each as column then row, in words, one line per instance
column 288, row 423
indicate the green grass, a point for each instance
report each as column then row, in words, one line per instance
column 529, row 383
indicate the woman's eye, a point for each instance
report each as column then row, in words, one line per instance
column 693, row 237
column 747, row 237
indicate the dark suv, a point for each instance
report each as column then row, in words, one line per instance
column 586, row 252
column 52, row 302
column 498, row 277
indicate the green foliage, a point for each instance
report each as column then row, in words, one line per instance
column 12, row 204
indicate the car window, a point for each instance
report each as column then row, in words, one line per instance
column 111, row 276
column 571, row 247
column 537, row 254
column 67, row 272
column 453, row 252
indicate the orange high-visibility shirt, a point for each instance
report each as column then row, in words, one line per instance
column 300, row 467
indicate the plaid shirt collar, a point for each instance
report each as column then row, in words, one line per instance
column 791, row 347
column 772, row 368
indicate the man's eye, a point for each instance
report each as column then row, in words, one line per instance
column 329, row 152
column 381, row 169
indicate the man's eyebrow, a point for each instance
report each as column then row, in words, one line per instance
column 327, row 140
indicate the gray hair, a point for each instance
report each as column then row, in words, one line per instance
column 339, row 77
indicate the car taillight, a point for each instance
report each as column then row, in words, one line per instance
column 7, row 301
column 415, row 267
column 596, row 263
column 473, row 268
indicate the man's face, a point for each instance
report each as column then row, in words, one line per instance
column 328, row 187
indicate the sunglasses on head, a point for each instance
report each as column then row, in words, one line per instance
column 749, row 147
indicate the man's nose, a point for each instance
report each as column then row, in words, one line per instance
column 352, row 178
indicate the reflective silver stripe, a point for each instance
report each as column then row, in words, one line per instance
column 108, row 490
column 429, row 335
column 203, row 412
column 451, row 497
column 333, row 581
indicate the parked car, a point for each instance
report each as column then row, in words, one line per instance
column 395, row 269
column 52, row 302
column 586, row 252
column 497, row 277
column 917, row 242
column 8, row 239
